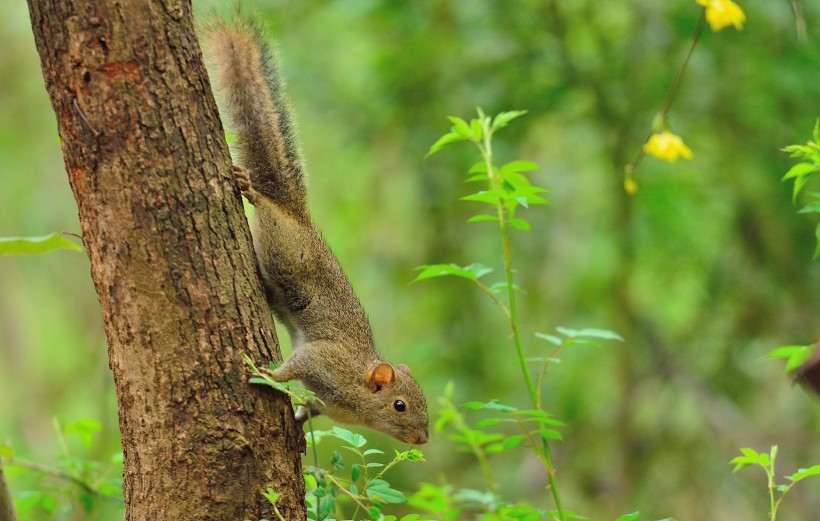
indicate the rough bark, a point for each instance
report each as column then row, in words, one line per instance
column 171, row 260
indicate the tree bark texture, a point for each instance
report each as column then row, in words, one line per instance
column 171, row 259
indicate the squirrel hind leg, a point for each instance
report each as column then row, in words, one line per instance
column 243, row 180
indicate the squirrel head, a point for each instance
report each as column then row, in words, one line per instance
column 394, row 404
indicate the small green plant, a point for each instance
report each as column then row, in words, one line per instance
column 273, row 498
column 766, row 461
column 73, row 480
column 807, row 168
column 363, row 482
column 506, row 191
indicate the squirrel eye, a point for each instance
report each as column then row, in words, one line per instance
column 399, row 406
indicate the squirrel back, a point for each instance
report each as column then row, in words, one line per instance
column 333, row 354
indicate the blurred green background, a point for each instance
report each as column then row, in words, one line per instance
column 703, row 272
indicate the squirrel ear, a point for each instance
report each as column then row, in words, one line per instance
column 404, row 369
column 381, row 375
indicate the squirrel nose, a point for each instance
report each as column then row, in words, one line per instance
column 422, row 439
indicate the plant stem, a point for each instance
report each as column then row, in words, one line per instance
column 772, row 503
column 673, row 89
column 315, row 453
column 504, row 229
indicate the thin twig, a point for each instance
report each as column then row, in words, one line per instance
column 63, row 475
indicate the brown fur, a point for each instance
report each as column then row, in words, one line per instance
column 333, row 355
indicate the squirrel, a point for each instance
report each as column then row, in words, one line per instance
column 333, row 351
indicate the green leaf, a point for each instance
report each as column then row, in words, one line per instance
column 567, row 332
column 551, row 434
column 796, row 355
column 552, row 339
column 493, row 197
column 461, row 127
column 475, row 127
column 36, row 245
column 271, row 495
column 504, row 118
column 368, row 452
column 49, row 502
column 379, row 488
column 799, row 183
column 492, row 405
column 356, row 440
column 521, row 224
column 443, row 141
column 813, row 207
column 471, row 272
column 488, row 422
column 515, row 181
column 542, row 417
column 84, row 429
column 629, row 517
column 478, row 168
column 817, row 247
column 800, row 170
column 482, row 217
column 511, row 442
column 355, row 471
column 749, row 457
column 498, row 287
column 413, row 455
column 326, row 506
column 600, row 333
column 804, row 473
column 519, row 166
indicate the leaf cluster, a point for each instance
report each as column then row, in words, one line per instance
column 766, row 461
column 362, row 482
column 75, row 482
column 807, row 168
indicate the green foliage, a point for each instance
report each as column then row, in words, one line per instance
column 766, row 461
column 507, row 190
column 795, row 355
column 75, row 482
column 36, row 245
column 361, row 483
column 802, row 172
column 273, row 498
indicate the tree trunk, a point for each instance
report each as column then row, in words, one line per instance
column 171, row 259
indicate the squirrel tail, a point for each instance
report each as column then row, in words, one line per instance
column 252, row 89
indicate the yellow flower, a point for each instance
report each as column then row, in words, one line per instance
column 631, row 186
column 667, row 146
column 723, row 13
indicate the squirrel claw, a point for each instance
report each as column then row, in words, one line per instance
column 243, row 180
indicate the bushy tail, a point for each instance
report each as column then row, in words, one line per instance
column 251, row 89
